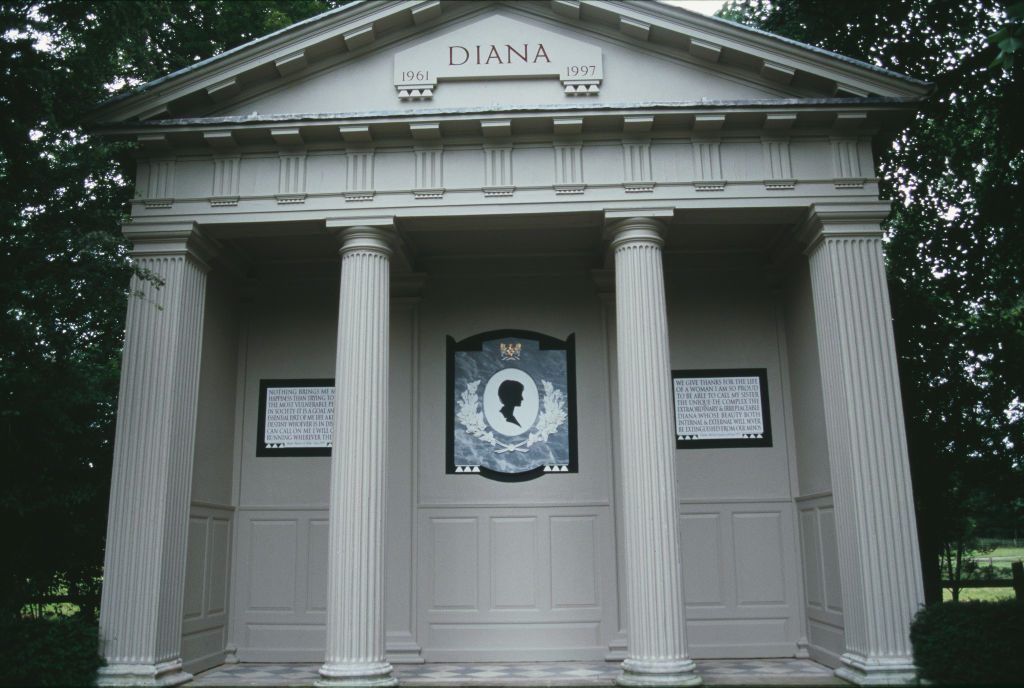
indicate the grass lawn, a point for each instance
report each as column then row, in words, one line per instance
column 1001, row 559
column 979, row 594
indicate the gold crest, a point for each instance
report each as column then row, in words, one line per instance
column 511, row 351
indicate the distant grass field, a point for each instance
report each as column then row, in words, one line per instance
column 979, row 594
column 1001, row 559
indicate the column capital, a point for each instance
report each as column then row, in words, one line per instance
column 150, row 240
column 826, row 220
column 376, row 234
column 636, row 226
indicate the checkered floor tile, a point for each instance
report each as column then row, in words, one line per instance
column 714, row 672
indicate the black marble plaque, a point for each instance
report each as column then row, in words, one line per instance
column 721, row 408
column 511, row 405
column 296, row 418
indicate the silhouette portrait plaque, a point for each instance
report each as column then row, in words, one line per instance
column 296, row 418
column 511, row 405
column 722, row 408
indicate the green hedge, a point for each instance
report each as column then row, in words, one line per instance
column 970, row 643
column 54, row 651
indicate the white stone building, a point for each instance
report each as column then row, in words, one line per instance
column 657, row 190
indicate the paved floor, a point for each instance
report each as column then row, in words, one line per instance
column 722, row 672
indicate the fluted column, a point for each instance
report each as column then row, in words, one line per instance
column 355, row 587
column 654, row 583
column 875, row 526
column 147, row 525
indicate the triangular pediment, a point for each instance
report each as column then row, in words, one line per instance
column 502, row 57
column 431, row 56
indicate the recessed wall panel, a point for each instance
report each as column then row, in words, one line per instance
column 220, row 552
column 514, row 562
column 812, row 558
column 830, row 554
column 272, row 565
column 757, row 539
column 573, row 562
column 701, row 555
column 455, row 553
column 316, row 589
column 195, row 568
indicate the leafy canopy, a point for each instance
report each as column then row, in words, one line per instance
column 955, row 246
column 63, row 264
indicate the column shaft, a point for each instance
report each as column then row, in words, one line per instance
column 876, row 529
column 144, row 570
column 355, row 593
column 656, row 616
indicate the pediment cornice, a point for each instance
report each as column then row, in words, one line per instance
column 780, row 118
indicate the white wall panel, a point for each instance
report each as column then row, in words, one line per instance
column 822, row 588
column 278, row 601
column 830, row 558
column 204, row 630
column 219, row 558
column 273, row 548
column 574, row 564
column 701, row 548
column 455, row 552
column 515, row 583
column 739, row 578
column 195, row 567
column 757, row 548
column 814, row 591
column 316, row 565
column 514, row 562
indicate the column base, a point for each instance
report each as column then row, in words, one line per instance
column 637, row 672
column 356, row 674
column 891, row 671
column 163, row 674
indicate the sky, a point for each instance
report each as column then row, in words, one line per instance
column 702, row 6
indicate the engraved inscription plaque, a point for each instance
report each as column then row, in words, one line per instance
column 296, row 418
column 497, row 48
column 721, row 408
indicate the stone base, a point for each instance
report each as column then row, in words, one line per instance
column 165, row 674
column 372, row 674
column 646, row 673
column 891, row 671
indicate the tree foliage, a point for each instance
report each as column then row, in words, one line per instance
column 955, row 249
column 63, row 264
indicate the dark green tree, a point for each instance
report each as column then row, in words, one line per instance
column 63, row 264
column 955, row 249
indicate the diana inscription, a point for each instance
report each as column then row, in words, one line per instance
column 504, row 54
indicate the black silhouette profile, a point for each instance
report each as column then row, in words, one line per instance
column 510, row 393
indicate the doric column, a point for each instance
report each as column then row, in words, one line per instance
column 144, row 570
column 875, row 526
column 654, row 581
column 355, row 588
